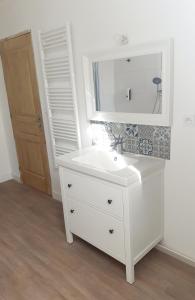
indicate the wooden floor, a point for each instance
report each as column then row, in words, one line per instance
column 37, row 264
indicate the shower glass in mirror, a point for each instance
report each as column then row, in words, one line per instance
column 130, row 84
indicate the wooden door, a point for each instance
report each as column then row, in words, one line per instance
column 25, row 110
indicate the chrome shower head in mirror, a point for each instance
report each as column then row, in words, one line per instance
column 157, row 80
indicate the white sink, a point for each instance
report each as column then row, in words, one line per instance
column 109, row 165
column 105, row 160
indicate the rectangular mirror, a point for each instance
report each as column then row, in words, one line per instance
column 131, row 85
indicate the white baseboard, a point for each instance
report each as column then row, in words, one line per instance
column 57, row 196
column 147, row 249
column 5, row 177
column 176, row 255
column 16, row 177
column 9, row 176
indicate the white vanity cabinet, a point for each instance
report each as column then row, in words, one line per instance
column 124, row 221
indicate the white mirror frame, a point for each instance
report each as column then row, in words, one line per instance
column 165, row 118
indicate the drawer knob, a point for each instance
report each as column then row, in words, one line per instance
column 72, row 211
column 109, row 201
column 69, row 185
column 111, row 231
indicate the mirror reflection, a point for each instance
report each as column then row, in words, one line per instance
column 131, row 84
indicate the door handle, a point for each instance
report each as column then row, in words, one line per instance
column 39, row 121
column 40, row 125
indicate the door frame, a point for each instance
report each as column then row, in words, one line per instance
column 42, row 98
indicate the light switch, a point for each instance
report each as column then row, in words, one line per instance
column 189, row 120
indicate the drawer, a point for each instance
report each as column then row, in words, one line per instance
column 102, row 195
column 99, row 229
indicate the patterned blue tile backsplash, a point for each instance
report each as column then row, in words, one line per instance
column 139, row 139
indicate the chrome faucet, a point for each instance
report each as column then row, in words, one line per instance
column 117, row 145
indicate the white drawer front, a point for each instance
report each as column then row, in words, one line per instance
column 100, row 230
column 93, row 191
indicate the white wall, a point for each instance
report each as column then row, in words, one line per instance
column 94, row 24
column 8, row 160
column 5, row 167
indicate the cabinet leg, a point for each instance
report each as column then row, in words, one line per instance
column 69, row 237
column 130, row 276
